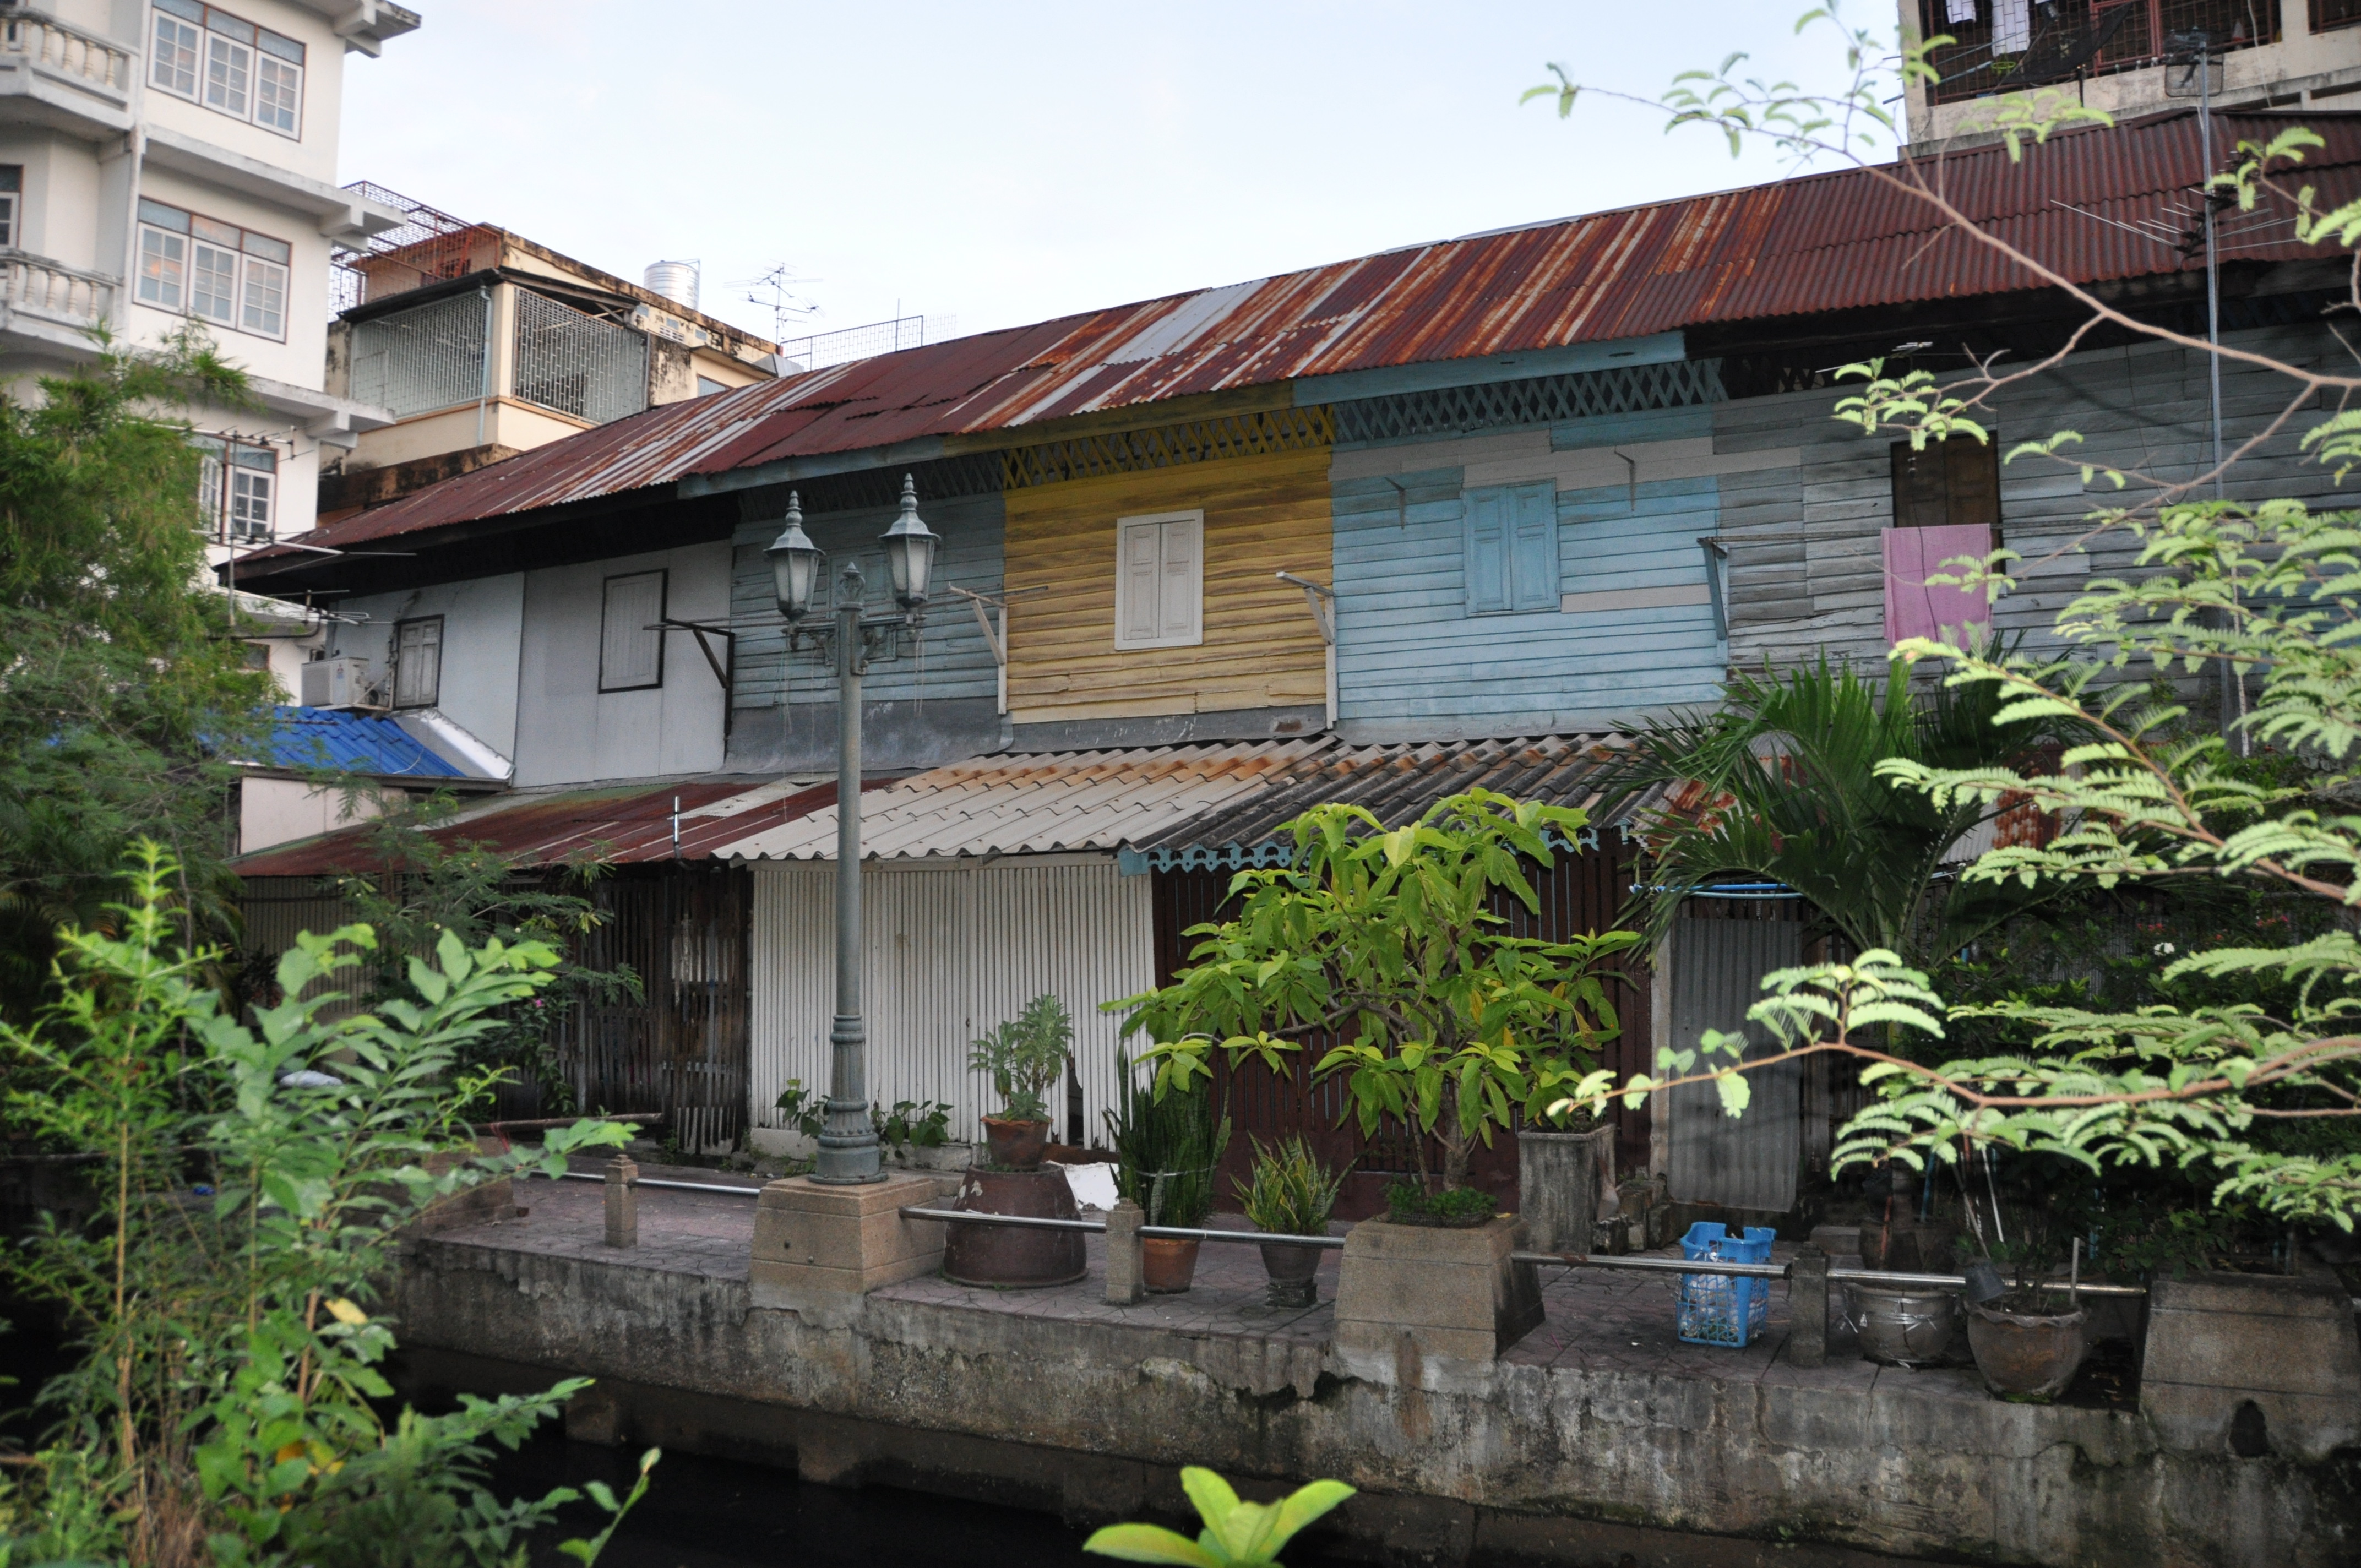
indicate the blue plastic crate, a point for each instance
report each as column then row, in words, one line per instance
column 1722, row 1308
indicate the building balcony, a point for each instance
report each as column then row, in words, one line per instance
column 51, row 304
column 58, row 75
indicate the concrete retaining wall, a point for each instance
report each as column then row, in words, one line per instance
column 1463, row 1457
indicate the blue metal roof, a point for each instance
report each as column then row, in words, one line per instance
column 354, row 743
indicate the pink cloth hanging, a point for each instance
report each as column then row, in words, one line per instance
column 1916, row 609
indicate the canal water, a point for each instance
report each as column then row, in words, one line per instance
column 712, row 1513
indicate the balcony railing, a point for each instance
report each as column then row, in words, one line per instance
column 69, row 51
column 54, row 292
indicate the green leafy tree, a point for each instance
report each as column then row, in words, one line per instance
column 123, row 686
column 2255, row 601
column 249, row 1182
column 1444, row 1022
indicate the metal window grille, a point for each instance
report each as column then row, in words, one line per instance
column 577, row 363
column 1170, row 446
column 1983, row 58
column 1544, row 400
column 429, row 358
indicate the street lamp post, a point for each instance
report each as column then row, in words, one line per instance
column 848, row 1143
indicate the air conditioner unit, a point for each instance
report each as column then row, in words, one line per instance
column 337, row 683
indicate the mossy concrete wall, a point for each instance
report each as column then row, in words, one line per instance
column 1458, row 1458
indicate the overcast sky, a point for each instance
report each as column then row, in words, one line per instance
column 1007, row 162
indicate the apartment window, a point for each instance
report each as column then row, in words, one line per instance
column 1511, row 548
column 225, row 62
column 2328, row 14
column 12, row 187
column 1159, row 586
column 1946, row 508
column 218, row 271
column 707, row 385
column 418, row 662
column 630, row 643
column 238, row 488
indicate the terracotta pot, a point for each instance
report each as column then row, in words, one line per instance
column 2028, row 1353
column 1167, row 1263
column 1013, row 1256
column 1019, row 1145
column 1293, row 1272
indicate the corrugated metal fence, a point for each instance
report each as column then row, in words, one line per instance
column 953, row 948
column 1717, row 967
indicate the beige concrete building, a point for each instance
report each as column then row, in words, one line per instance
column 482, row 343
column 2131, row 57
column 164, row 162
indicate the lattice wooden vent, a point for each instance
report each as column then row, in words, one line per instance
column 1544, row 400
column 1170, row 446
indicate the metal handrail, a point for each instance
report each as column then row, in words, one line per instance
column 659, row 1181
column 1175, row 1233
column 1786, row 1271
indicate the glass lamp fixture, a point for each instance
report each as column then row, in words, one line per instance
column 795, row 564
column 909, row 549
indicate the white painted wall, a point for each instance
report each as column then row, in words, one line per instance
column 483, row 631
column 567, row 731
column 280, row 811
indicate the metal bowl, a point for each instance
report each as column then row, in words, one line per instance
column 1917, row 1326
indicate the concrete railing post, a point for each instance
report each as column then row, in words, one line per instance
column 1124, row 1286
column 1808, row 1308
column 622, row 1202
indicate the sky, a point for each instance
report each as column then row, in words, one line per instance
column 1008, row 162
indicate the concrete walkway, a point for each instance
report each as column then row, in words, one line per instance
column 1598, row 1320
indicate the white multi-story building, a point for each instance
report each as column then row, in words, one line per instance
column 171, row 161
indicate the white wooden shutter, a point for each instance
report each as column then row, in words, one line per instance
column 1161, row 580
column 631, row 646
column 418, row 664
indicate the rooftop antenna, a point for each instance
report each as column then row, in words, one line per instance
column 776, row 291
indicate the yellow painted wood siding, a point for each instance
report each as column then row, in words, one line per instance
column 1261, row 647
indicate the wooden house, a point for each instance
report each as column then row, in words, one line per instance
column 1509, row 491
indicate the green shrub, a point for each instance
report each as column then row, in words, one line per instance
column 1024, row 1055
column 1292, row 1192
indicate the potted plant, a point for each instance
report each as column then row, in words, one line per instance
column 2024, row 1347
column 1447, row 1026
column 1024, row 1057
column 1165, row 1148
column 1291, row 1193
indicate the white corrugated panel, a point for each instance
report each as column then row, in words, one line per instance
column 951, row 949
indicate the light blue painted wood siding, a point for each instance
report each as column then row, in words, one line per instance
column 1410, row 656
column 952, row 658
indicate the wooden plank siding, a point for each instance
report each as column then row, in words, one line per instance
column 1804, row 571
column 1414, row 662
column 1261, row 647
column 952, row 660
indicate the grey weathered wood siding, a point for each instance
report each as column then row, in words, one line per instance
column 1805, row 577
column 952, row 658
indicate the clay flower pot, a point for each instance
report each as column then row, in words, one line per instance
column 1019, row 1145
column 1167, row 1263
column 1292, row 1271
column 1010, row 1256
column 2028, row 1354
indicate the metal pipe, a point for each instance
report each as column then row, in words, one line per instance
column 543, row 1123
column 1945, row 1281
column 1656, row 1265
column 657, row 1182
column 1176, row 1232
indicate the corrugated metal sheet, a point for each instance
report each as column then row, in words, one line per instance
column 1841, row 240
column 355, row 742
column 1395, row 784
column 620, row 826
column 275, row 910
column 952, row 947
column 1750, row 1163
column 1036, row 803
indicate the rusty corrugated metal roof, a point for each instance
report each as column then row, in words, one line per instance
column 622, row 826
column 1039, row 803
column 1825, row 242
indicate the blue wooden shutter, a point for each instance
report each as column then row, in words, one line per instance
column 1488, row 552
column 1533, row 556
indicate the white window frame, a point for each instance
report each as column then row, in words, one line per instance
column 208, row 56
column 170, row 258
column 1169, row 634
column 405, row 681
column 12, row 204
